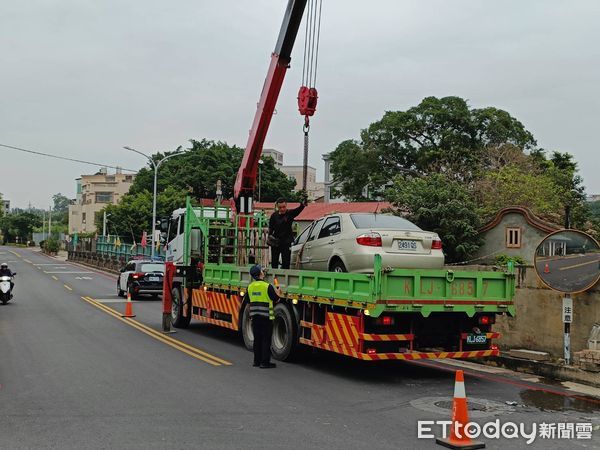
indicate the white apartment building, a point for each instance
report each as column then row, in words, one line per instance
column 94, row 192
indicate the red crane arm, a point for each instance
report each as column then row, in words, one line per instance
column 245, row 181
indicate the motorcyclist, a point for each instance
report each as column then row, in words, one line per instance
column 6, row 272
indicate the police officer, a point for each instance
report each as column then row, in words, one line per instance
column 262, row 298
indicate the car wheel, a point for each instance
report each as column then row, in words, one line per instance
column 120, row 292
column 338, row 266
column 285, row 333
column 134, row 296
column 246, row 328
column 177, row 318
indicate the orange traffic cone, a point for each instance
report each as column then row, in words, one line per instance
column 460, row 419
column 546, row 268
column 128, row 307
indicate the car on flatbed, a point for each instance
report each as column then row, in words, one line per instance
column 347, row 242
column 141, row 276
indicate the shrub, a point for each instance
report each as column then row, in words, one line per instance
column 51, row 245
column 502, row 260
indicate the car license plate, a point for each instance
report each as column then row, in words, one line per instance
column 154, row 279
column 407, row 245
column 476, row 338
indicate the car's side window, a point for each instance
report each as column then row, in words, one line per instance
column 130, row 267
column 315, row 230
column 331, row 227
column 303, row 237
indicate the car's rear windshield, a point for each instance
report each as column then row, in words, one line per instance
column 382, row 221
column 152, row 267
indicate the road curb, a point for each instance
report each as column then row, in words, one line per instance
column 545, row 369
column 100, row 269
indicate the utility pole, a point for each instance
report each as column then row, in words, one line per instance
column 104, row 224
column 260, row 163
column 155, row 166
column 50, row 223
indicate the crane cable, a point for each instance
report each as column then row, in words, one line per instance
column 307, row 96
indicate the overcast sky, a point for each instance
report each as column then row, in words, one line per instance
column 83, row 78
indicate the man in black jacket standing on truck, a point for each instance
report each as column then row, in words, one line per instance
column 280, row 231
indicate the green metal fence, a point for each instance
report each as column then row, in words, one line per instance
column 114, row 246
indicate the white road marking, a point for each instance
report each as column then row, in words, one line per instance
column 83, row 278
column 68, row 272
column 51, row 264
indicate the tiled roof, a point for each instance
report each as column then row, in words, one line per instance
column 529, row 216
column 316, row 210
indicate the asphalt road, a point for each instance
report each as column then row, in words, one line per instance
column 75, row 375
column 569, row 273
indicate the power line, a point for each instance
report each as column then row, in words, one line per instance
column 64, row 158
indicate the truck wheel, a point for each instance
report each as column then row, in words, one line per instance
column 246, row 327
column 285, row 333
column 177, row 318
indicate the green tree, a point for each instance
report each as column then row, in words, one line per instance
column 19, row 225
column 133, row 215
column 514, row 186
column 440, row 135
column 60, row 210
column 438, row 203
column 206, row 162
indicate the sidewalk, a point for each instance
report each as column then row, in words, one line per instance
column 61, row 256
column 547, row 369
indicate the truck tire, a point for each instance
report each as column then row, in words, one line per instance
column 246, row 327
column 285, row 333
column 177, row 318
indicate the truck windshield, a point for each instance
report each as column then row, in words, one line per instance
column 382, row 221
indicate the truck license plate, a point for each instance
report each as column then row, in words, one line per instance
column 407, row 245
column 476, row 338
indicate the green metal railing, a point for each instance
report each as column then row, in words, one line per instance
column 113, row 246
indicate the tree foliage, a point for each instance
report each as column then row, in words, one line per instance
column 438, row 203
column 194, row 173
column 19, row 225
column 133, row 215
column 205, row 162
column 440, row 135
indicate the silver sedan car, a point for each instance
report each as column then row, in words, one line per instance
column 347, row 242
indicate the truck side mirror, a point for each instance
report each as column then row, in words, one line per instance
column 164, row 225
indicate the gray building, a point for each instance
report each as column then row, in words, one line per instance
column 513, row 231
column 5, row 207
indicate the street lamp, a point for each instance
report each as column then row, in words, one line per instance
column 260, row 163
column 155, row 165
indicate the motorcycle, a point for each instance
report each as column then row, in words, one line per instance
column 5, row 288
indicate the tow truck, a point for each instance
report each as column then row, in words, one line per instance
column 404, row 314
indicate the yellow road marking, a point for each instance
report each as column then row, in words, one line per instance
column 178, row 345
column 579, row 265
column 27, row 261
column 56, row 279
column 15, row 253
column 68, row 287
